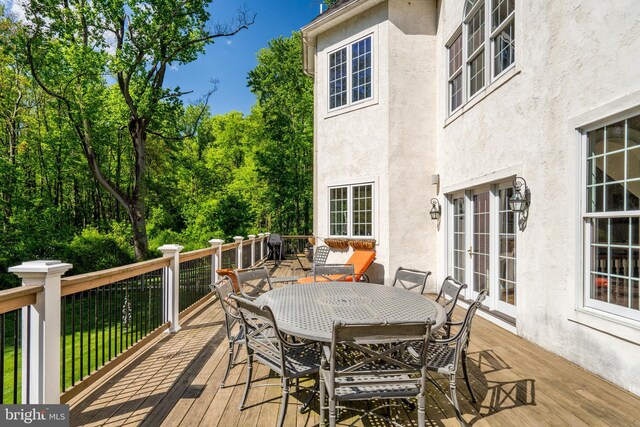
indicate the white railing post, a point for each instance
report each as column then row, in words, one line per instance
column 41, row 324
column 216, row 259
column 238, row 240
column 261, row 237
column 172, row 293
column 252, row 237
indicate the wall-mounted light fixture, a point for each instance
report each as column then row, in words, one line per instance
column 435, row 209
column 520, row 201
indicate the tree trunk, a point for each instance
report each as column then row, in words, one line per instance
column 139, row 225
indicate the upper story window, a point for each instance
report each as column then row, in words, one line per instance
column 351, row 210
column 488, row 49
column 350, row 74
column 611, row 218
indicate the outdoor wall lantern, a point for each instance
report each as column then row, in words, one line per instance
column 520, row 201
column 435, row 209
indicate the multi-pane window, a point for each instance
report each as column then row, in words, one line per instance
column 502, row 35
column 507, row 243
column 612, row 217
column 455, row 73
column 361, row 70
column 475, row 50
column 351, row 74
column 459, row 249
column 351, row 210
column 338, row 78
column 488, row 32
column 338, row 211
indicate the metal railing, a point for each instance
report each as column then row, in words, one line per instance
column 99, row 319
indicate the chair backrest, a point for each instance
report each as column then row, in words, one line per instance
column 361, row 260
column 263, row 338
column 320, row 255
column 411, row 279
column 253, row 281
column 449, row 295
column 224, row 289
column 461, row 338
column 333, row 273
column 378, row 349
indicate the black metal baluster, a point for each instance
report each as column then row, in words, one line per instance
column 28, row 367
column 2, row 347
column 81, row 376
column 88, row 332
column 63, row 331
column 103, row 314
column 95, row 325
column 16, row 346
column 73, row 339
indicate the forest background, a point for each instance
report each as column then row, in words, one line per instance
column 93, row 146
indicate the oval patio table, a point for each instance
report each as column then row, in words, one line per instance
column 309, row 310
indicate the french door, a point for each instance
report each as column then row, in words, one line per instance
column 482, row 242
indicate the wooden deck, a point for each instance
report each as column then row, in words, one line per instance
column 175, row 382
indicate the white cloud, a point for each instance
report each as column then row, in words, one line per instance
column 173, row 67
column 229, row 41
column 15, row 9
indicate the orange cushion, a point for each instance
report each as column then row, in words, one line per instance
column 361, row 260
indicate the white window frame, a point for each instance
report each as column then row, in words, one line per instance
column 458, row 72
column 348, row 47
column 486, row 49
column 350, row 225
column 587, row 220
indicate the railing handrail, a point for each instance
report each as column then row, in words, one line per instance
column 82, row 282
column 296, row 236
column 22, row 296
column 201, row 253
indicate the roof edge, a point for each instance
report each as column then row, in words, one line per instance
column 325, row 21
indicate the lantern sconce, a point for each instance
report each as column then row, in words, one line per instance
column 435, row 209
column 520, row 201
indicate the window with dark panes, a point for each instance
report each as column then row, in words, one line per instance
column 611, row 217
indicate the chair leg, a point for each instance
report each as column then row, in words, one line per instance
column 466, row 377
column 285, row 401
column 422, row 403
column 454, row 398
column 322, row 392
column 332, row 411
column 248, row 384
column 229, row 363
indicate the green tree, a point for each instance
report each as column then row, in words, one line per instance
column 284, row 154
column 76, row 47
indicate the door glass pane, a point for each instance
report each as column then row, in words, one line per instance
column 507, row 256
column 481, row 239
column 459, row 254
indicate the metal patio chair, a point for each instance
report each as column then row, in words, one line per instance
column 320, row 255
column 253, row 281
column 411, row 279
column 367, row 361
column 444, row 355
column 267, row 345
column 448, row 298
column 224, row 288
column 333, row 273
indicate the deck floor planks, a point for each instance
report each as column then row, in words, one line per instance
column 175, row 381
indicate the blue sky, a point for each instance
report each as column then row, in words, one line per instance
column 229, row 60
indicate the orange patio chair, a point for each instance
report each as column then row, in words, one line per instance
column 360, row 259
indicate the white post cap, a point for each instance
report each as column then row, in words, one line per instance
column 251, row 236
column 216, row 242
column 170, row 249
column 42, row 267
column 261, row 235
column 238, row 238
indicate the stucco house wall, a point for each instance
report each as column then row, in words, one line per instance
column 576, row 64
column 389, row 140
column 572, row 59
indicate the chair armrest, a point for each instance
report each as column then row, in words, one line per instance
column 326, row 352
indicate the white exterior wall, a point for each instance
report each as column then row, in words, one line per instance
column 576, row 62
column 389, row 140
